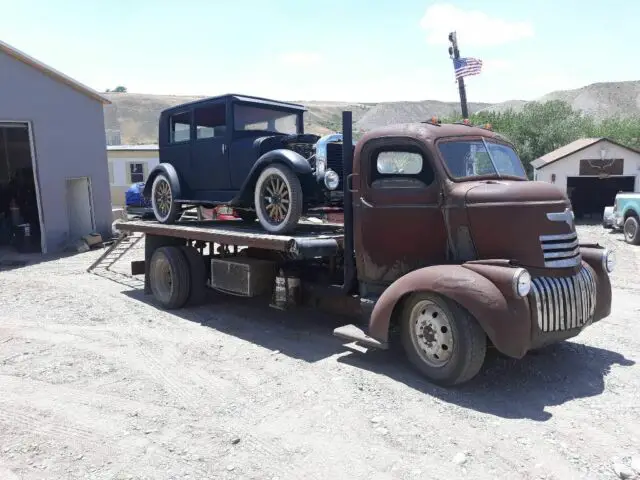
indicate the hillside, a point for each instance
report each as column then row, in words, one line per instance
column 132, row 118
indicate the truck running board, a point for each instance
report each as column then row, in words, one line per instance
column 355, row 334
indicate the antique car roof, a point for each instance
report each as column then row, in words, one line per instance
column 429, row 132
column 241, row 98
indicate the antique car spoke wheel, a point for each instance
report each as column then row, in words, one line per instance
column 278, row 199
column 441, row 339
column 431, row 333
column 163, row 202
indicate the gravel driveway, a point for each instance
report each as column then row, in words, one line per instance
column 95, row 382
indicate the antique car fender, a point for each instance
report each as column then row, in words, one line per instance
column 170, row 172
column 294, row 160
column 484, row 290
column 592, row 255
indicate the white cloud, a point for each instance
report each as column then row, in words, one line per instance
column 473, row 27
column 300, row 59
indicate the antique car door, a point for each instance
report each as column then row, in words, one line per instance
column 398, row 223
column 210, row 150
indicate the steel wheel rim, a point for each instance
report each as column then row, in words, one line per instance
column 163, row 277
column 629, row 229
column 431, row 333
column 275, row 199
column 162, row 198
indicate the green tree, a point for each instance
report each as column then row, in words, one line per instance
column 118, row 89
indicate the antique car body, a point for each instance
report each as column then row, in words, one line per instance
column 443, row 236
column 235, row 149
column 626, row 216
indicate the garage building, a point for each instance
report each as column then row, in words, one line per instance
column 54, row 179
column 591, row 171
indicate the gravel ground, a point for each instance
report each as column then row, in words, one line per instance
column 96, row 382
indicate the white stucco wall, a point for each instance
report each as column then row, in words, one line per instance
column 570, row 166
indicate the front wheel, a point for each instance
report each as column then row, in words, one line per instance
column 631, row 231
column 441, row 339
column 163, row 201
column 278, row 199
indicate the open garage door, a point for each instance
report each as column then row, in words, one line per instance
column 589, row 195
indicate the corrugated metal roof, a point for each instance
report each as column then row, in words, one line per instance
column 51, row 72
column 564, row 151
column 149, row 147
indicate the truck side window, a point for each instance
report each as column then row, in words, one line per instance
column 400, row 169
column 180, row 127
column 210, row 121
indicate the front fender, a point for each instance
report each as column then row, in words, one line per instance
column 171, row 174
column 592, row 255
column 293, row 160
column 484, row 290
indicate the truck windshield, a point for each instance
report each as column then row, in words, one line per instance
column 249, row 117
column 473, row 158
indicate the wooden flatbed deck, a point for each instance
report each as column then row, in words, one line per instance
column 309, row 240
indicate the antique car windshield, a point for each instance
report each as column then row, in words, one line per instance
column 474, row 158
column 250, row 117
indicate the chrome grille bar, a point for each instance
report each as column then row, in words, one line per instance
column 560, row 251
column 564, row 303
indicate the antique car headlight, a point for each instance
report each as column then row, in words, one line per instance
column 331, row 179
column 521, row 283
column 608, row 260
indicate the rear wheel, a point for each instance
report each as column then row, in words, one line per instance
column 441, row 339
column 169, row 277
column 163, row 201
column 278, row 199
column 631, row 231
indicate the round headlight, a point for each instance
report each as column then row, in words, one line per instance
column 521, row 282
column 331, row 179
column 608, row 260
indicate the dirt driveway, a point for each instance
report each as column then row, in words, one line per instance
column 97, row 383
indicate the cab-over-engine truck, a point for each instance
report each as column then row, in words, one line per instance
column 443, row 236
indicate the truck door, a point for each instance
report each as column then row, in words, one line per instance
column 209, row 150
column 398, row 224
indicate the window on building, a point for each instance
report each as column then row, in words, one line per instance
column 210, row 121
column 136, row 172
column 180, row 127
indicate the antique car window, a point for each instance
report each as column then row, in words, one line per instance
column 401, row 169
column 210, row 121
column 249, row 117
column 471, row 158
column 180, row 127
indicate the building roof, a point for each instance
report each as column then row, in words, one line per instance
column 128, row 148
column 51, row 72
column 571, row 148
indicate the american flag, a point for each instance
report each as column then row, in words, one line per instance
column 464, row 67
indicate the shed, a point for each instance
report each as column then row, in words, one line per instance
column 53, row 158
column 590, row 171
column 129, row 164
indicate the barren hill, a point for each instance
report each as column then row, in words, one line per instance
column 132, row 118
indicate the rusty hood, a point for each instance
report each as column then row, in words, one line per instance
column 528, row 222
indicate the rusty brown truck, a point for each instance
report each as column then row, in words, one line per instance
column 443, row 236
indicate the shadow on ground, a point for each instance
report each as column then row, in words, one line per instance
column 505, row 387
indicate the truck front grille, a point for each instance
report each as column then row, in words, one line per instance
column 564, row 303
column 560, row 251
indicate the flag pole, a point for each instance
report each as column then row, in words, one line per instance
column 454, row 54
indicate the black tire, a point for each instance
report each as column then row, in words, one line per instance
column 631, row 231
column 273, row 177
column 197, row 276
column 169, row 277
column 165, row 208
column 464, row 339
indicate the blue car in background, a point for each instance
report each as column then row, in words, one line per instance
column 135, row 203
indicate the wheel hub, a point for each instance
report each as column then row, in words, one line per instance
column 431, row 333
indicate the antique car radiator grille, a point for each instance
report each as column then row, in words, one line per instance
column 334, row 158
column 560, row 251
column 563, row 303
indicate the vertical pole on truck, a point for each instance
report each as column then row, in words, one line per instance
column 347, row 158
column 454, row 54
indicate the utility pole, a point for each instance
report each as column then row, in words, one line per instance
column 454, row 54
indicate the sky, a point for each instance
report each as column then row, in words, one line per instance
column 334, row 50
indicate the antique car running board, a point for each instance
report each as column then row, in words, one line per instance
column 355, row 334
